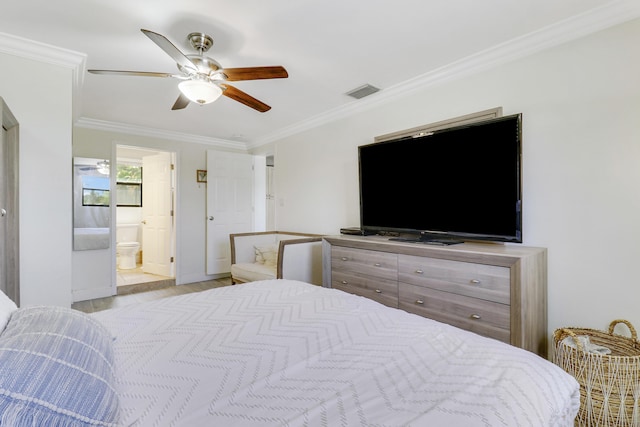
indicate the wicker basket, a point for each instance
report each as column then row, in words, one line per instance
column 609, row 384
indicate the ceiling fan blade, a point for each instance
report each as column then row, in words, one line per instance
column 255, row 73
column 132, row 73
column 170, row 49
column 244, row 98
column 181, row 102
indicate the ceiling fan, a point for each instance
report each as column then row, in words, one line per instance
column 203, row 79
column 101, row 166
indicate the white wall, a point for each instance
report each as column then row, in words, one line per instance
column 129, row 215
column 40, row 96
column 581, row 111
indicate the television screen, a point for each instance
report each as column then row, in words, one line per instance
column 459, row 183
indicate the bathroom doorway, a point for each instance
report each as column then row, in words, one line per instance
column 145, row 219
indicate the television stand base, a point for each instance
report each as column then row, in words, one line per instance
column 436, row 242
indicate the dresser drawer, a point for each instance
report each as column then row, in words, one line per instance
column 488, row 282
column 483, row 317
column 382, row 290
column 382, row 265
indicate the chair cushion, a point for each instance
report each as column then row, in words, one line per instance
column 259, row 258
column 251, row 272
column 267, row 254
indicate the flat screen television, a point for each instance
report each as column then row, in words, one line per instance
column 451, row 185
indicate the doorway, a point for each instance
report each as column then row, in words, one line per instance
column 145, row 219
column 9, row 227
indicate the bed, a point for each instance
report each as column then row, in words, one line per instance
column 279, row 353
column 91, row 238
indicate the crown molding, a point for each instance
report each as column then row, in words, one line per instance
column 128, row 129
column 41, row 52
column 594, row 20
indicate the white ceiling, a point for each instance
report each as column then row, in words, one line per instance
column 328, row 47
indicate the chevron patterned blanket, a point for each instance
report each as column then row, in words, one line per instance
column 286, row 353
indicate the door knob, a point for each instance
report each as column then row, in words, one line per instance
column 144, row 221
column 210, row 218
column 3, row 212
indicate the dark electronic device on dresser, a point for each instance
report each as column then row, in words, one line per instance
column 456, row 184
column 354, row 231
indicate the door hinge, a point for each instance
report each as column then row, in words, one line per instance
column 171, row 259
column 173, row 166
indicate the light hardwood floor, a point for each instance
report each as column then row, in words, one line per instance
column 135, row 276
column 147, row 295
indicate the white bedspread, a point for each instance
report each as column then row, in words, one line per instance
column 285, row 353
column 91, row 238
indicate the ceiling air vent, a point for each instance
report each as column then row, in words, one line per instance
column 362, row 91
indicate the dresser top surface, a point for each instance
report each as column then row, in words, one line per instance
column 383, row 243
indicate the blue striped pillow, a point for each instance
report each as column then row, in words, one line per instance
column 56, row 369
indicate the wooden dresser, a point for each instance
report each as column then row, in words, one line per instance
column 495, row 290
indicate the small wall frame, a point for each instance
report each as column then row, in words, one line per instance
column 201, row 175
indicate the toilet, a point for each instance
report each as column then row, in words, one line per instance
column 127, row 245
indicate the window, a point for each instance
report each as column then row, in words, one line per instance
column 95, row 191
column 129, row 194
column 95, row 197
column 129, row 185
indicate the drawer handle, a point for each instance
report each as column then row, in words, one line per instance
column 475, row 316
column 377, row 264
column 419, row 272
column 475, row 281
column 419, row 302
column 344, row 282
column 378, row 291
column 344, row 258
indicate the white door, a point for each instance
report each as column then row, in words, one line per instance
column 229, row 205
column 157, row 215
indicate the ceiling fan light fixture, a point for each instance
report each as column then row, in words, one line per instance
column 203, row 80
column 103, row 167
column 200, row 91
